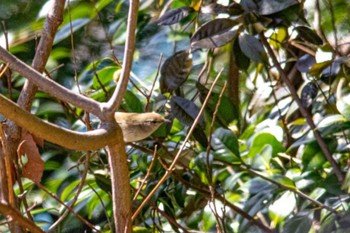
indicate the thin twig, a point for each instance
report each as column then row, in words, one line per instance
column 209, row 170
column 148, row 97
column 66, row 206
column 172, row 166
column 76, row 196
column 303, row 111
column 292, row 189
column 147, row 174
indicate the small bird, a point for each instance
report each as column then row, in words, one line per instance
column 138, row 126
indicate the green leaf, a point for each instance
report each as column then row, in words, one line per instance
column 213, row 34
column 262, row 139
column 317, row 68
column 186, row 111
column 252, row 48
column 199, row 165
column 49, row 108
column 69, row 190
column 175, row 71
column 225, row 144
column 226, row 113
column 313, row 158
column 298, row 223
column 103, row 180
column 284, row 180
column 68, row 29
column 309, row 35
column 278, row 213
column 132, row 103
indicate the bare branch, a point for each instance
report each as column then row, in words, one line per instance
column 117, row 97
column 49, row 86
column 64, row 137
column 18, row 218
column 53, row 21
column 119, row 169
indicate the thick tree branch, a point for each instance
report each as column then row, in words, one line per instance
column 53, row 21
column 18, row 218
column 118, row 95
column 91, row 140
column 50, row 86
column 119, row 169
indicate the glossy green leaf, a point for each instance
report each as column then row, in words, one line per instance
column 132, row 103
column 199, row 165
column 262, row 139
column 175, row 71
column 313, row 158
column 317, row 68
column 69, row 190
column 226, row 147
column 49, row 108
column 213, row 34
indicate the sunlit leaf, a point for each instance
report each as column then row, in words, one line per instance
column 262, row 139
column 67, row 29
column 175, row 71
column 277, row 38
column 214, row 34
column 279, row 210
column 174, row 16
column 215, row 9
column 225, row 144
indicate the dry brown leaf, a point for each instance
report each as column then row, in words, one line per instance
column 34, row 167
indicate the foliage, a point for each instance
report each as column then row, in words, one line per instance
column 252, row 165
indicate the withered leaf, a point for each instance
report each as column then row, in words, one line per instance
column 174, row 16
column 175, row 71
column 33, row 169
column 214, row 34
